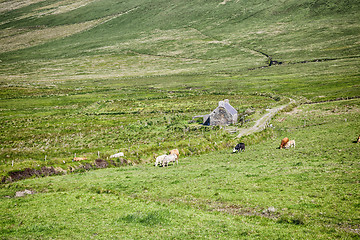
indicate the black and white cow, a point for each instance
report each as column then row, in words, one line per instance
column 239, row 147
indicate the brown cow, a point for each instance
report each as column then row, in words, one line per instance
column 284, row 142
column 358, row 140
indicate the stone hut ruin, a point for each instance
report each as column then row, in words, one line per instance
column 223, row 115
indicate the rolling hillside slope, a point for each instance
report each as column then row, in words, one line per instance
column 220, row 35
column 165, row 61
column 94, row 77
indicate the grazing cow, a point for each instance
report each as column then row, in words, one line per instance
column 358, row 140
column 283, row 142
column 76, row 159
column 170, row 158
column 117, row 155
column 175, row 151
column 239, row 147
column 290, row 144
column 159, row 160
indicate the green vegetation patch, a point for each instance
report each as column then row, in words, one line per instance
column 310, row 190
column 93, row 78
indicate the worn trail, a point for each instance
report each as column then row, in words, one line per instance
column 263, row 121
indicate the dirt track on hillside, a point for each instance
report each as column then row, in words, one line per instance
column 263, row 121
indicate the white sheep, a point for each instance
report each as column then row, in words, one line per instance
column 290, row 144
column 170, row 158
column 117, row 155
column 160, row 159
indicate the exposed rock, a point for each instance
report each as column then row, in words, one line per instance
column 269, row 211
column 24, row 193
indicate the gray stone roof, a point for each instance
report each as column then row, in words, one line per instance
column 228, row 107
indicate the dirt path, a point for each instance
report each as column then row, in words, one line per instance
column 263, row 121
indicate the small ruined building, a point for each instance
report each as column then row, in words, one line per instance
column 223, row 115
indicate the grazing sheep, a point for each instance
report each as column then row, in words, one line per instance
column 170, row 158
column 290, row 144
column 117, row 155
column 159, row 159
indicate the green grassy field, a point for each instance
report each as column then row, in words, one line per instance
column 87, row 77
column 314, row 189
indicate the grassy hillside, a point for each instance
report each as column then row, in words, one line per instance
column 101, row 76
column 215, row 34
column 307, row 192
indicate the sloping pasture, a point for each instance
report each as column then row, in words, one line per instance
column 149, row 115
column 311, row 191
column 97, row 77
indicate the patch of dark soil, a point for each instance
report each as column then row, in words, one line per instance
column 123, row 161
column 48, row 171
column 88, row 166
column 29, row 172
column 18, row 175
column 100, row 163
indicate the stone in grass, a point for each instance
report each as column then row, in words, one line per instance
column 269, row 211
column 23, row 193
